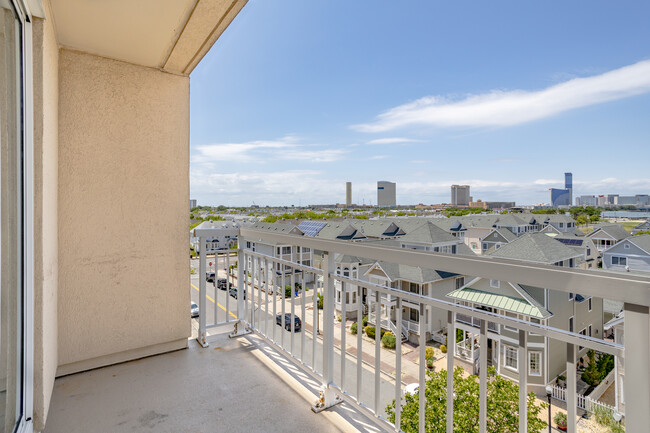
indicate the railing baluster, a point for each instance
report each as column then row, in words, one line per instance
column 267, row 268
column 377, row 350
column 202, row 292
column 314, row 333
column 359, row 341
column 328, row 319
column 284, row 318
column 482, row 423
column 292, row 326
column 636, row 382
column 214, row 285
column 451, row 341
column 241, row 287
column 522, row 365
column 571, row 399
column 422, row 381
column 343, row 332
column 398, row 364
column 302, row 309
column 275, row 297
column 228, row 282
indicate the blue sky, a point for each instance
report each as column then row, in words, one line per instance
column 297, row 97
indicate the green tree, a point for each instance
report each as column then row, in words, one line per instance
column 582, row 219
column 502, row 405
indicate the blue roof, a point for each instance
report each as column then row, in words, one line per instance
column 311, row 228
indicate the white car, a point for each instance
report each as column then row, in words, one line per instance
column 411, row 388
column 194, row 310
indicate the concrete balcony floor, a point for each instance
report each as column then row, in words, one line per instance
column 235, row 385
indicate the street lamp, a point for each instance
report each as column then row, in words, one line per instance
column 549, row 393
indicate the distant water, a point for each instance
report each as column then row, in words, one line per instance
column 625, row 214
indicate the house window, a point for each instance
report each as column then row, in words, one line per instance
column 286, row 250
column 535, row 363
column 248, row 245
column 495, row 235
column 514, row 316
column 589, row 304
column 460, row 282
column 616, row 260
column 570, row 263
column 589, row 330
column 414, row 315
column 485, row 245
column 571, row 324
column 588, row 251
column 626, row 246
column 495, row 283
column 510, row 357
column 570, row 296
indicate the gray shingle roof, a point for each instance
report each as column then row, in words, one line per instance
column 276, row 227
column 413, row 274
column 614, row 230
column 340, row 230
column 641, row 241
column 428, row 233
column 536, row 247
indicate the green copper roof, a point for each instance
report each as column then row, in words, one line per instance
column 503, row 302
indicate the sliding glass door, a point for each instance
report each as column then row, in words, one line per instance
column 15, row 266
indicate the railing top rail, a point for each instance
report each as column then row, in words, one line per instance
column 630, row 288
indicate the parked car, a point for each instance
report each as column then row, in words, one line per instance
column 411, row 388
column 209, row 277
column 233, row 292
column 287, row 322
column 194, row 310
column 223, row 284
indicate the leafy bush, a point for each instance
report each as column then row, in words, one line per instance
column 388, row 340
column 429, row 353
column 370, row 331
column 364, row 321
column 443, row 348
column 605, row 418
column 320, row 301
column 353, row 328
column 287, row 291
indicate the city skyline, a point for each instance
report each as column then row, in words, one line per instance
column 317, row 110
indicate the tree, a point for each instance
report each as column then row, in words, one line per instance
column 582, row 219
column 502, row 405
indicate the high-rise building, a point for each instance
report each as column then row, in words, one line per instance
column 586, row 200
column 568, row 184
column 460, row 195
column 386, row 194
column 348, row 194
column 192, row 204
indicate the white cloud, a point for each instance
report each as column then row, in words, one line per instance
column 260, row 151
column 393, row 140
column 379, row 157
column 419, row 161
column 506, row 108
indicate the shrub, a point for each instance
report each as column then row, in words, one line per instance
column 287, row 291
column 560, row 419
column 388, row 340
column 320, row 301
column 443, row 348
column 429, row 353
column 370, row 331
column 353, row 328
column 364, row 321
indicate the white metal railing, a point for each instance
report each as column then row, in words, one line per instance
column 411, row 326
column 386, row 323
column 254, row 314
column 476, row 322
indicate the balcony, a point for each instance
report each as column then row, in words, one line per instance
column 476, row 323
column 322, row 357
column 235, row 385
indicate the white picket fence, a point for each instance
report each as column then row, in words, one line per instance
column 583, row 402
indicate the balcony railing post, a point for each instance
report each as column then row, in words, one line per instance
column 451, row 347
column 637, row 374
column 201, row 338
column 328, row 318
column 522, row 364
column 240, row 325
column 482, row 412
column 571, row 398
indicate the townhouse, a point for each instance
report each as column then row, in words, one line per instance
column 605, row 235
column 631, row 254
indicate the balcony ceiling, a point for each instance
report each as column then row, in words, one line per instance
column 172, row 35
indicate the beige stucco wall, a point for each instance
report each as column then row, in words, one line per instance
column 46, row 102
column 123, row 194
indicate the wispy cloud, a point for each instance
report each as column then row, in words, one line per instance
column 379, row 157
column 260, row 151
column 393, row 140
column 499, row 108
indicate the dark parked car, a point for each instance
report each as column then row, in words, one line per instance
column 223, row 284
column 194, row 310
column 209, row 277
column 287, row 322
column 233, row 292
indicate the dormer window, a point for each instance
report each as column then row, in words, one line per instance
column 495, row 284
